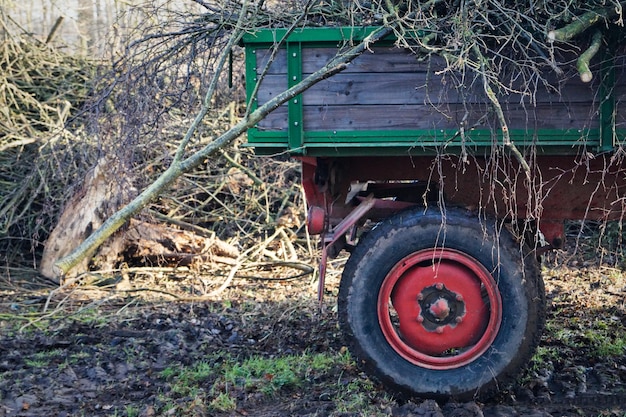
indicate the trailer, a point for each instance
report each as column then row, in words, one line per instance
column 405, row 165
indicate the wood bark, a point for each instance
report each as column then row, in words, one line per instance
column 99, row 196
column 159, row 244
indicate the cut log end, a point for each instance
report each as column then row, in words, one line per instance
column 586, row 76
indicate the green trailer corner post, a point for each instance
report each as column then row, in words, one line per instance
column 443, row 297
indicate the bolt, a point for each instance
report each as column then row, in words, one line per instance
column 459, row 297
column 458, row 319
column 420, row 297
column 439, row 329
column 439, row 286
column 420, row 319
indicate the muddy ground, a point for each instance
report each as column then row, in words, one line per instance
column 123, row 347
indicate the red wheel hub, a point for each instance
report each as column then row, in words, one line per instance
column 439, row 308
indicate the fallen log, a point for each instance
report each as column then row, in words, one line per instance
column 158, row 244
column 138, row 243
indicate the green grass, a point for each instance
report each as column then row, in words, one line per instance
column 189, row 381
column 36, row 363
column 606, row 342
column 220, row 380
column 132, row 411
column 223, row 402
column 44, row 358
column 270, row 375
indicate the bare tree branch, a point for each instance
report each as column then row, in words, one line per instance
column 113, row 223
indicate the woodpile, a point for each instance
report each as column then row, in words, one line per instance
column 42, row 147
column 58, row 183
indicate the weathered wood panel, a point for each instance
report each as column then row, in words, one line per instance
column 389, row 89
column 279, row 64
column 406, row 88
column 427, row 117
column 380, row 59
column 276, row 121
column 386, row 60
column 407, row 117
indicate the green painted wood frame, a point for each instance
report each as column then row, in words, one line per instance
column 297, row 141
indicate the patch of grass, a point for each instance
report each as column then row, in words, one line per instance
column 354, row 398
column 270, row 375
column 36, row 363
column 132, row 411
column 544, row 358
column 43, row 358
column 78, row 356
column 227, row 378
column 92, row 317
column 189, row 381
column 606, row 342
column 223, row 402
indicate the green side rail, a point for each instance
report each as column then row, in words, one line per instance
column 297, row 140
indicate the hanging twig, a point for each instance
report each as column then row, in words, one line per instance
column 506, row 136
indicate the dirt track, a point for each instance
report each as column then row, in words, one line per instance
column 119, row 355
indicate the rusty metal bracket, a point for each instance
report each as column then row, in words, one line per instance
column 340, row 230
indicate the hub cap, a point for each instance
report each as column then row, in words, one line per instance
column 439, row 308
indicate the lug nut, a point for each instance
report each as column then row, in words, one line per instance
column 439, row 286
column 420, row 319
column 458, row 319
column 439, row 329
column 459, row 297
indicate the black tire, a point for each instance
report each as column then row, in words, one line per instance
column 392, row 262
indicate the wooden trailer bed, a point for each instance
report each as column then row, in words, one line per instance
column 443, row 297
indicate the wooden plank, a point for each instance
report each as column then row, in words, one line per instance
column 271, row 85
column 279, row 64
column 426, row 117
column 276, row 121
column 386, row 60
column 419, row 117
column 354, row 89
column 371, row 89
column 409, row 88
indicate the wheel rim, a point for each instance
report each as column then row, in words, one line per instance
column 439, row 308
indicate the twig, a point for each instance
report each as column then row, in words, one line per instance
column 54, row 29
column 256, row 180
column 228, row 279
column 506, row 137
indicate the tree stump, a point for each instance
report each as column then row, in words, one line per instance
column 139, row 243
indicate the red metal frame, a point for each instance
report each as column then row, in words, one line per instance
column 564, row 187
